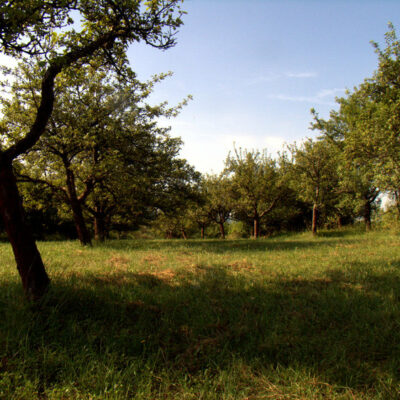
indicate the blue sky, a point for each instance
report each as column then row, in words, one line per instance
column 255, row 68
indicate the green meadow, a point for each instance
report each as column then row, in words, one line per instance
column 290, row 317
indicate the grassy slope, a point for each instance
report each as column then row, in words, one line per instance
column 287, row 318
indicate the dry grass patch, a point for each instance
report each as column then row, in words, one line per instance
column 164, row 275
column 241, row 265
column 118, row 261
column 153, row 259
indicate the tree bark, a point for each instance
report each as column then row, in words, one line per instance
column 77, row 212
column 367, row 215
column 256, row 227
column 314, row 219
column 100, row 230
column 222, row 229
column 30, row 266
column 339, row 221
column 80, row 225
column 184, row 235
column 202, row 232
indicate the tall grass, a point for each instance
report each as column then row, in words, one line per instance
column 293, row 317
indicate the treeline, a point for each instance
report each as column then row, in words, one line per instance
column 104, row 164
column 333, row 180
column 306, row 187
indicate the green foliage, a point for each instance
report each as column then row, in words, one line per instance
column 366, row 129
column 314, row 170
column 256, row 185
column 102, row 148
column 217, row 191
column 34, row 26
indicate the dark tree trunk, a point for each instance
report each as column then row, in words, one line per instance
column 202, row 231
column 80, row 225
column 184, row 235
column 256, row 227
column 100, row 231
column 77, row 212
column 397, row 202
column 29, row 262
column 314, row 219
column 222, row 229
column 367, row 215
column 339, row 221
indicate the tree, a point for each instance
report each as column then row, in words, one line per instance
column 255, row 185
column 34, row 28
column 367, row 124
column 219, row 200
column 357, row 184
column 314, row 174
column 98, row 122
column 137, row 192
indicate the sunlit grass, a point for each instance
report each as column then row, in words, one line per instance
column 291, row 317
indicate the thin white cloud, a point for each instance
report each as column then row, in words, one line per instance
column 322, row 97
column 273, row 76
column 269, row 77
column 301, row 75
column 330, row 92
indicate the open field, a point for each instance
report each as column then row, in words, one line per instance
column 292, row 317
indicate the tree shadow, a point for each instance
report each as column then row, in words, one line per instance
column 342, row 330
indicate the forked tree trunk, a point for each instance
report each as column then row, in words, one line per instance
column 222, row 229
column 29, row 262
column 314, row 219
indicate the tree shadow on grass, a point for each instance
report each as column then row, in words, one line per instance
column 343, row 331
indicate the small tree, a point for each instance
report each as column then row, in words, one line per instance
column 219, row 200
column 314, row 174
column 255, row 185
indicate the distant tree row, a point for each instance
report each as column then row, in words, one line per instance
column 306, row 187
column 335, row 179
column 104, row 164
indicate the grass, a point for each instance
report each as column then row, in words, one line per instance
column 292, row 317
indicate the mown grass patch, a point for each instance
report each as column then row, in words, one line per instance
column 292, row 317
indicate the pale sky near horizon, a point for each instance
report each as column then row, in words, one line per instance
column 255, row 68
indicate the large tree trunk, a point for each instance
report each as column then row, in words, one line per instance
column 29, row 262
column 367, row 215
column 222, row 229
column 314, row 219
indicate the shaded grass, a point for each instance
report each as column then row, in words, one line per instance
column 284, row 318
